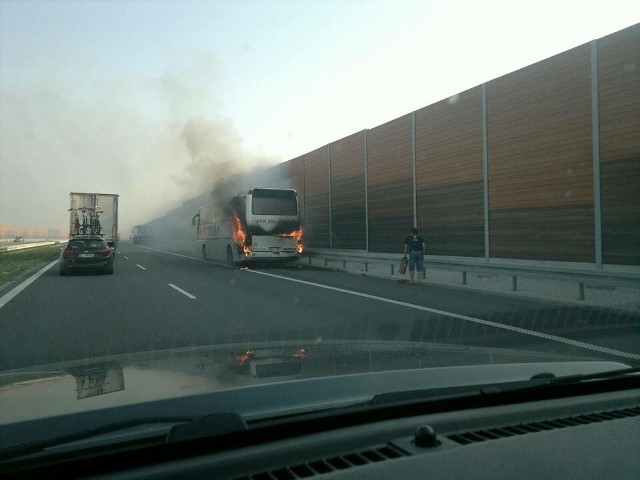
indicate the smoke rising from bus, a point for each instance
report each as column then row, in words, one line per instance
column 228, row 187
column 218, row 169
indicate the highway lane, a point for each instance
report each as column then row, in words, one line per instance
column 157, row 300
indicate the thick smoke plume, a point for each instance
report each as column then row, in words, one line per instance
column 217, row 168
column 221, row 167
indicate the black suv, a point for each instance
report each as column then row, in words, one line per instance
column 86, row 253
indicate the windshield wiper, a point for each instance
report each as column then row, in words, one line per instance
column 551, row 379
column 172, row 429
column 540, row 380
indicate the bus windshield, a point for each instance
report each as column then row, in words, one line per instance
column 274, row 202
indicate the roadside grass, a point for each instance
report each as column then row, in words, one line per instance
column 13, row 264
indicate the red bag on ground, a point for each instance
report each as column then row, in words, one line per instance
column 403, row 265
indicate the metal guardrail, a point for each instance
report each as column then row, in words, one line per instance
column 24, row 246
column 515, row 270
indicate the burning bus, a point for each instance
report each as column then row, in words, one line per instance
column 261, row 225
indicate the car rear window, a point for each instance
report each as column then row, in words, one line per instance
column 78, row 244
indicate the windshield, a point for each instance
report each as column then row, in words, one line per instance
column 208, row 197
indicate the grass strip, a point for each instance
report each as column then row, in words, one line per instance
column 14, row 263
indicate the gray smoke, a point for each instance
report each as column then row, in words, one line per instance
column 157, row 142
column 239, row 183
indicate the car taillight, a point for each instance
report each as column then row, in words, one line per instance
column 67, row 251
column 104, row 251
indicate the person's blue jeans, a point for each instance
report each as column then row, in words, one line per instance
column 416, row 260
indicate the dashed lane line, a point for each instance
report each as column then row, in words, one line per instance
column 184, row 292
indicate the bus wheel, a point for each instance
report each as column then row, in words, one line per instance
column 229, row 256
column 204, row 252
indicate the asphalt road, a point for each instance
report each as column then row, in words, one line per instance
column 159, row 300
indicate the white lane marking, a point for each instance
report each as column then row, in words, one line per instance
column 533, row 333
column 16, row 290
column 126, row 258
column 140, row 266
column 182, row 291
column 210, row 262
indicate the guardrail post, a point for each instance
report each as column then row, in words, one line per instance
column 514, row 283
column 392, row 269
column 326, row 262
column 366, row 266
column 344, row 264
column 309, row 259
column 464, row 277
column 581, row 291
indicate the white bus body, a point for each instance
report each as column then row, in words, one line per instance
column 262, row 225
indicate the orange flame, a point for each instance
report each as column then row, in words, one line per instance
column 301, row 353
column 297, row 234
column 238, row 233
column 243, row 358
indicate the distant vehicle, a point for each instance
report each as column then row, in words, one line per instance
column 18, row 240
column 142, row 234
column 262, row 225
column 86, row 253
column 94, row 214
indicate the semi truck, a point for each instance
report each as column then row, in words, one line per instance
column 142, row 234
column 94, row 214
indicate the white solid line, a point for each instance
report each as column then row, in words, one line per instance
column 140, row 267
column 16, row 290
column 182, row 291
column 533, row 333
column 210, row 262
column 126, row 258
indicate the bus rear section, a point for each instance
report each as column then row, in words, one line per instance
column 273, row 227
column 262, row 225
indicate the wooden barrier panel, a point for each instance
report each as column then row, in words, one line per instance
column 449, row 175
column 348, row 222
column 619, row 98
column 541, row 162
column 390, row 184
column 316, row 202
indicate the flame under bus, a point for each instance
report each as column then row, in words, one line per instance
column 262, row 225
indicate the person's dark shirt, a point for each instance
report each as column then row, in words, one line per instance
column 414, row 242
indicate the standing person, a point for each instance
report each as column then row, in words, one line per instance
column 414, row 245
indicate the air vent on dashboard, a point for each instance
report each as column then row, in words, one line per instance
column 533, row 427
column 328, row 465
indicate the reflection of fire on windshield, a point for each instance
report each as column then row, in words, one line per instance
column 244, row 357
column 299, row 354
column 248, row 355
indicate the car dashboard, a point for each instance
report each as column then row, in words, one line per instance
column 580, row 432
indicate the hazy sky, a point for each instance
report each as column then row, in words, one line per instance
column 157, row 99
